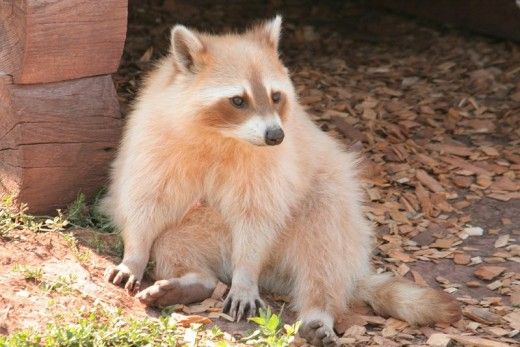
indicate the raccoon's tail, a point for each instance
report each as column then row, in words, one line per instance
column 404, row 300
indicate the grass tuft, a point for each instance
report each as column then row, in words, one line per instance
column 79, row 214
column 82, row 214
column 62, row 285
column 13, row 217
column 29, row 273
column 82, row 255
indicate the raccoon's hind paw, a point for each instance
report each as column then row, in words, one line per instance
column 242, row 303
column 161, row 293
column 120, row 275
column 318, row 334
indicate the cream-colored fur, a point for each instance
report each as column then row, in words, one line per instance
column 286, row 218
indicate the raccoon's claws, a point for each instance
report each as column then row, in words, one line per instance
column 318, row 334
column 120, row 275
column 242, row 305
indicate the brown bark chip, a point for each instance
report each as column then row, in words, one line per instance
column 488, row 272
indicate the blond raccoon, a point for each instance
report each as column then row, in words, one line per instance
column 218, row 120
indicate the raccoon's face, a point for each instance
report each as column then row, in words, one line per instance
column 242, row 88
column 253, row 109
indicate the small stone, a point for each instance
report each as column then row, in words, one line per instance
column 474, row 231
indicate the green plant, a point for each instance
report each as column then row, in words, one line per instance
column 99, row 327
column 96, row 326
column 30, row 273
column 81, row 255
column 79, row 214
column 13, row 217
column 82, row 214
column 272, row 332
column 119, row 248
column 62, row 284
column 98, row 244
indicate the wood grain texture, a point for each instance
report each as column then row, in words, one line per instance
column 57, row 139
column 55, row 40
column 10, row 171
column 493, row 17
column 12, row 36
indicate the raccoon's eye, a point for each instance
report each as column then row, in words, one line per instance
column 238, row 101
column 276, row 96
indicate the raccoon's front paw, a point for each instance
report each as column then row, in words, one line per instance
column 242, row 302
column 123, row 275
column 318, row 334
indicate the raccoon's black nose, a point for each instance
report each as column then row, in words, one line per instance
column 274, row 136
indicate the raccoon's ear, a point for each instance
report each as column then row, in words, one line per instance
column 269, row 31
column 186, row 48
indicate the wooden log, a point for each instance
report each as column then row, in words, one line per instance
column 57, row 40
column 56, row 139
column 499, row 18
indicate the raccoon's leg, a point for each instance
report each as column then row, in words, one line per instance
column 319, row 292
column 251, row 243
column 141, row 227
column 190, row 288
column 137, row 245
column 187, row 259
column 328, row 246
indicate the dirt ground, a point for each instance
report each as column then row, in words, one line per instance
column 434, row 111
